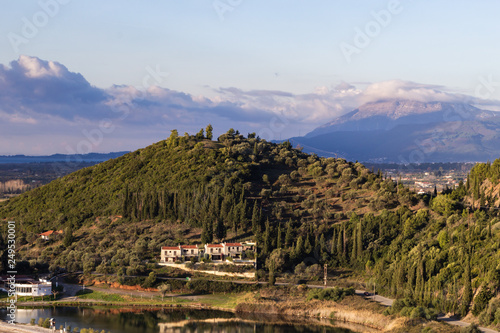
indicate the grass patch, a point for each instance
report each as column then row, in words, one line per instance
column 227, row 301
column 99, row 296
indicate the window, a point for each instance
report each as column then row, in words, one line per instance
column 192, row 251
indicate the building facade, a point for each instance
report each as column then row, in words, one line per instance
column 33, row 288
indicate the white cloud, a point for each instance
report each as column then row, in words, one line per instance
column 406, row 90
column 42, row 101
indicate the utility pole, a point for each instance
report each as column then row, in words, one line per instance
column 326, row 273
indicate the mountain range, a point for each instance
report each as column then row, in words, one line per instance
column 408, row 131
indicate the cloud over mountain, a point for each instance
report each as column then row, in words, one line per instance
column 406, row 90
column 44, row 108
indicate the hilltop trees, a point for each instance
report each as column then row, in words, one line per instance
column 300, row 208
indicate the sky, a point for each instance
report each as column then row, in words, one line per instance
column 97, row 76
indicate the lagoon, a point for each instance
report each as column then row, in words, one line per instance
column 148, row 320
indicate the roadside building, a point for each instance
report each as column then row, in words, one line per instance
column 27, row 286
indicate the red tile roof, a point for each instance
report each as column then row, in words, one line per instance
column 190, row 246
column 170, row 248
column 214, row 245
column 233, row 244
column 50, row 232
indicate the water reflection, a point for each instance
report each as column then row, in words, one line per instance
column 159, row 320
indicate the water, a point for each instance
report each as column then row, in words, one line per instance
column 137, row 320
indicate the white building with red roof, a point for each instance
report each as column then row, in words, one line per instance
column 179, row 253
column 214, row 251
column 233, row 250
column 47, row 234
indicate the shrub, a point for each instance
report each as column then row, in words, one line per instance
column 330, row 294
column 32, row 321
column 472, row 328
column 481, row 300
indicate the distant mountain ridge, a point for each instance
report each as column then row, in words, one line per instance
column 405, row 131
column 387, row 114
column 91, row 157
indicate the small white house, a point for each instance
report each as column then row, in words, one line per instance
column 233, row 250
column 47, row 234
column 190, row 251
column 215, row 251
column 175, row 253
column 33, row 288
column 170, row 253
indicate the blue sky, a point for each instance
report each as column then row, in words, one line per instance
column 218, row 51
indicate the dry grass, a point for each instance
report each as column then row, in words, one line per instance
column 353, row 309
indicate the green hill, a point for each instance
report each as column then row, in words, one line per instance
column 303, row 210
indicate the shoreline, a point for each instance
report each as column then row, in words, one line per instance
column 303, row 316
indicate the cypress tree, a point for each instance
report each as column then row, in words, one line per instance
column 339, row 244
column 288, row 236
column 322, row 245
column 307, row 246
column 299, row 248
column 220, row 229
column 359, row 242
column 126, row 203
column 344, row 248
column 267, row 239
column 467, row 296
column 354, row 246
column 255, row 219
column 68, row 237
column 278, row 242
column 333, row 244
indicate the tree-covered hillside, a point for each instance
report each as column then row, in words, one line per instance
column 303, row 211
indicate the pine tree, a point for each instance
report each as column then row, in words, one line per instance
column 209, row 132
column 200, row 135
